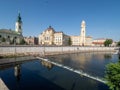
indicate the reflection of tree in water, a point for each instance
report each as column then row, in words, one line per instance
column 107, row 56
column 48, row 65
column 17, row 72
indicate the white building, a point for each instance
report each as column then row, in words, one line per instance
column 82, row 40
column 75, row 40
column 8, row 36
column 99, row 42
column 60, row 38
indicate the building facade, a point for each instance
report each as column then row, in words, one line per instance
column 51, row 37
column 99, row 42
column 60, row 38
column 82, row 40
column 8, row 36
column 47, row 36
column 75, row 40
column 89, row 41
column 31, row 40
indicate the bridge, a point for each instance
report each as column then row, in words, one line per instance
column 76, row 71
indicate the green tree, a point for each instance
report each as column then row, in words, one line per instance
column 3, row 39
column 113, row 75
column 108, row 42
column 118, row 44
column 22, row 42
column 69, row 41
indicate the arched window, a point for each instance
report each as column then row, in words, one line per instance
column 8, row 36
column 0, row 36
column 15, row 37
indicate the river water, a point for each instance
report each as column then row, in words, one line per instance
column 41, row 75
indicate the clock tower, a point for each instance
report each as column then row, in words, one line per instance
column 83, row 33
column 18, row 25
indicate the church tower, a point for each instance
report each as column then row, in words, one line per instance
column 83, row 33
column 18, row 25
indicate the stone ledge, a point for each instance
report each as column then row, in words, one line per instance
column 2, row 85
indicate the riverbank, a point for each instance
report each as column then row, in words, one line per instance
column 16, row 60
column 2, row 85
column 12, row 51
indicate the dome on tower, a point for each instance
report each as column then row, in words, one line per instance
column 83, row 21
column 19, row 18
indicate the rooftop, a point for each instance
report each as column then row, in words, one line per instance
column 8, row 31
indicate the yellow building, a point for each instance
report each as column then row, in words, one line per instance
column 51, row 37
column 47, row 37
column 89, row 41
column 75, row 40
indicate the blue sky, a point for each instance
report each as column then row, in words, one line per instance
column 102, row 16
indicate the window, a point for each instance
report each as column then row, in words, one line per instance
column 15, row 37
column 0, row 36
column 8, row 36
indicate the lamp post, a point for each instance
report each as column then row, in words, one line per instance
column 15, row 46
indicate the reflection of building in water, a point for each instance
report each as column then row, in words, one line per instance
column 17, row 72
column 108, row 56
column 48, row 65
column 80, row 60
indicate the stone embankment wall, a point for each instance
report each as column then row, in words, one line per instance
column 40, row 50
column 2, row 85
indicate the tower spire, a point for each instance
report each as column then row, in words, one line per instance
column 18, row 25
column 19, row 19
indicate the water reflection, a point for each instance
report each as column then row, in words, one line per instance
column 46, row 64
column 92, row 63
column 38, row 74
column 107, row 56
column 17, row 72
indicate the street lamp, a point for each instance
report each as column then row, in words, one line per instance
column 15, row 46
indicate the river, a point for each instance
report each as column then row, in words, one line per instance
column 41, row 75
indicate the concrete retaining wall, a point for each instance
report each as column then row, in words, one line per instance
column 2, row 85
column 40, row 50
